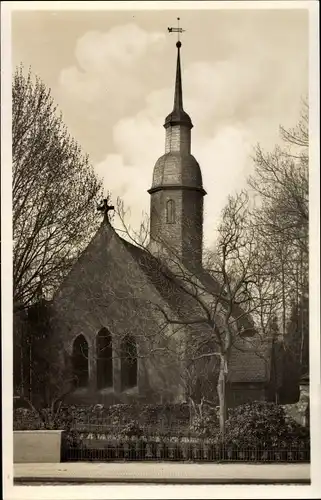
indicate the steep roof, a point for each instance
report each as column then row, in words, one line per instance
column 178, row 115
column 250, row 359
column 213, row 287
column 167, row 285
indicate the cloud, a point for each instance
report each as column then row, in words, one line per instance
column 234, row 102
column 119, row 48
column 129, row 183
column 83, row 86
column 107, row 65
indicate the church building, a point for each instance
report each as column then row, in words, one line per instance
column 125, row 314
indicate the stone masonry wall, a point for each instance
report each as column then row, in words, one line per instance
column 185, row 235
column 107, row 289
column 192, row 228
column 161, row 232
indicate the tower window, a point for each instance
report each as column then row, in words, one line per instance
column 104, row 352
column 170, row 212
column 80, row 361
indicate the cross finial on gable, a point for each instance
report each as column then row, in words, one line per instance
column 105, row 208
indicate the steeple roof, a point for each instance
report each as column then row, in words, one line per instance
column 177, row 168
column 178, row 115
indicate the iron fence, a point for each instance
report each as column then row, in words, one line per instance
column 110, row 443
column 184, row 450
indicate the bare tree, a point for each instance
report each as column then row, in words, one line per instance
column 281, row 180
column 299, row 135
column 54, row 191
column 213, row 307
column 281, row 218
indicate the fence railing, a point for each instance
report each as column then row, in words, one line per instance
column 183, row 450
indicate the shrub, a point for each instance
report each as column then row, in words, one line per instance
column 26, row 419
column 131, row 429
column 263, row 425
column 206, row 424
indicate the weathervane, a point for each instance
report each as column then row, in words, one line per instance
column 177, row 30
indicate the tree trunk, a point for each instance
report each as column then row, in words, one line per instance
column 22, row 382
column 221, row 391
column 283, row 297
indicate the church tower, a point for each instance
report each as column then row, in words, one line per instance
column 176, row 203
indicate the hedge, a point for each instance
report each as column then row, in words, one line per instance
column 119, row 415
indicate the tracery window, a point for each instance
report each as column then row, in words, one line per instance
column 104, row 357
column 128, row 363
column 80, row 353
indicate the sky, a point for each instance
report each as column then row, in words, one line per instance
column 112, row 75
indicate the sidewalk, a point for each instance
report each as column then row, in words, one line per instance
column 170, row 473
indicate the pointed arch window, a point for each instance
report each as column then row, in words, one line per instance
column 80, row 353
column 128, row 363
column 104, row 356
column 170, row 211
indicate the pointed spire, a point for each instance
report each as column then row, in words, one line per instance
column 178, row 115
column 178, row 97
